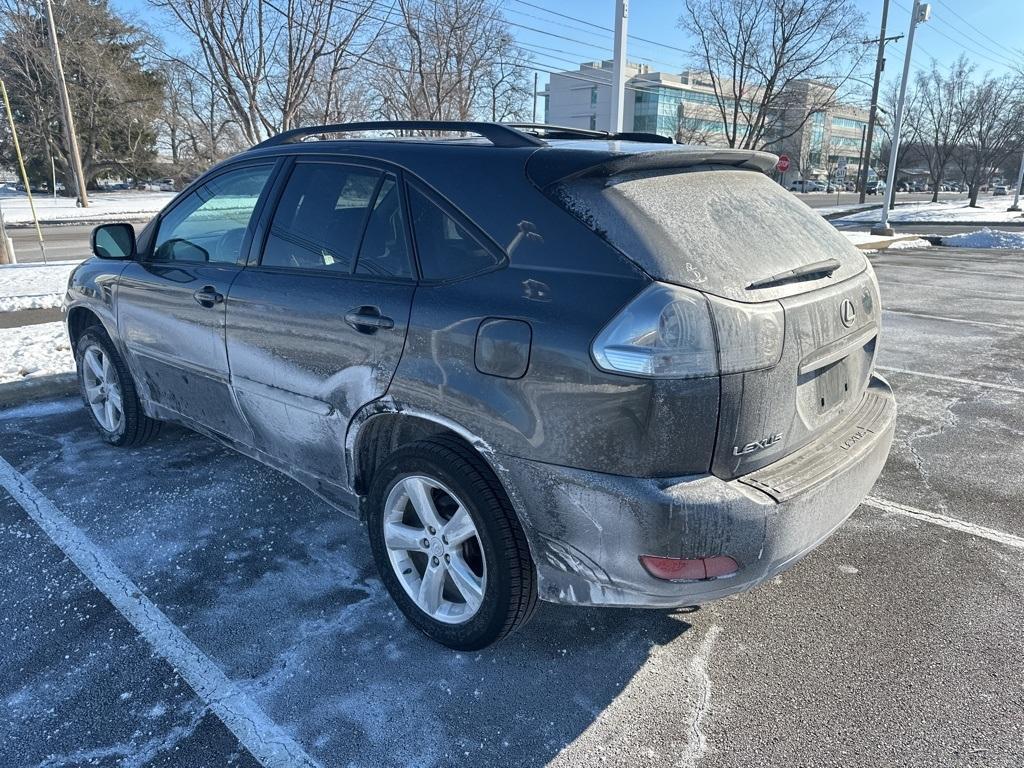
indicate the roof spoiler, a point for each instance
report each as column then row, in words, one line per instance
column 568, row 165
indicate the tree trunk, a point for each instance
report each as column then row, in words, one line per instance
column 974, row 195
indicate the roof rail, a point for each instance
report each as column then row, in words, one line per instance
column 499, row 134
column 566, row 132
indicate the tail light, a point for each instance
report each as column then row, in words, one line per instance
column 676, row 333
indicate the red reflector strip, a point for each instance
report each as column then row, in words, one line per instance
column 698, row 569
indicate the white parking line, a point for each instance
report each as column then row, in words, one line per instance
column 924, row 316
column 953, row 379
column 945, row 521
column 267, row 742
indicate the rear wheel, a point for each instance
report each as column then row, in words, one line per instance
column 448, row 545
column 109, row 392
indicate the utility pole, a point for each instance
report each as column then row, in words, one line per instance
column 69, row 121
column 535, row 97
column 873, row 107
column 1016, row 190
column 619, row 65
column 918, row 15
column 6, row 245
column 862, row 170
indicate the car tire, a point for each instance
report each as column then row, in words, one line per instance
column 488, row 583
column 108, row 392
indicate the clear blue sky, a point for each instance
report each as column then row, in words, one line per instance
column 989, row 32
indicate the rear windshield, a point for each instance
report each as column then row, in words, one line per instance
column 714, row 229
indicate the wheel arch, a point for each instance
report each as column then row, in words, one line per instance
column 381, row 428
column 80, row 318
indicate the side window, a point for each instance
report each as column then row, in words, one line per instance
column 446, row 249
column 385, row 251
column 320, row 219
column 210, row 224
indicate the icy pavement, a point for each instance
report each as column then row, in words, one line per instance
column 896, row 643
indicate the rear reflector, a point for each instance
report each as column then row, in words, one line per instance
column 678, row 569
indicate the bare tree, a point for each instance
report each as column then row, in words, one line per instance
column 450, row 60
column 266, row 57
column 115, row 94
column 757, row 52
column 945, row 113
column 197, row 129
column 994, row 134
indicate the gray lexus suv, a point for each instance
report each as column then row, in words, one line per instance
column 537, row 362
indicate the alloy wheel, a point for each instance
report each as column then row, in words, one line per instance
column 434, row 548
column 102, row 388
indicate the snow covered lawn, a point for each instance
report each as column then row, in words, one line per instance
column 986, row 238
column 990, row 210
column 34, row 350
column 103, row 206
column 33, row 286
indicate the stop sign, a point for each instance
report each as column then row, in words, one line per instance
column 783, row 164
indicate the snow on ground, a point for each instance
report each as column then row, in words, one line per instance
column 986, row 238
column 990, row 210
column 103, row 206
column 33, row 286
column 864, row 239
column 34, row 350
column 899, row 245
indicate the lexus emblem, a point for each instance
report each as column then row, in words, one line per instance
column 847, row 313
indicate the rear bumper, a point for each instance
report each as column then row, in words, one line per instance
column 587, row 530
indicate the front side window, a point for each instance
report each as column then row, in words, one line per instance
column 446, row 249
column 210, row 224
column 320, row 220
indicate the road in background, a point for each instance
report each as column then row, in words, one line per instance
column 64, row 242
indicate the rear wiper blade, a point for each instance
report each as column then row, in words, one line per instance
column 819, row 268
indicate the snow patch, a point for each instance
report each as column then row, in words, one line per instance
column 900, row 245
column 986, row 238
column 103, row 206
column 990, row 210
column 34, row 350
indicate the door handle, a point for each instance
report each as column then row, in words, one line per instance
column 208, row 296
column 368, row 320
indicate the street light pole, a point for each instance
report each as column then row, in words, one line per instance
column 65, row 102
column 619, row 65
column 1016, row 190
column 920, row 13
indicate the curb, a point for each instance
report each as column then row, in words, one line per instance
column 135, row 218
column 882, row 245
column 14, row 393
column 22, row 317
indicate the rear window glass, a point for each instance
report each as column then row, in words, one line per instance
column 712, row 229
column 446, row 249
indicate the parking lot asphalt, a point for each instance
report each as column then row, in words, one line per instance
column 900, row 641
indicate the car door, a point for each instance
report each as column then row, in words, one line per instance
column 171, row 301
column 316, row 326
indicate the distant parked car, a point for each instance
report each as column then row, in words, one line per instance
column 875, row 188
column 999, row 190
column 166, row 185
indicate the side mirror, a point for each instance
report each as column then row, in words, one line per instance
column 114, row 241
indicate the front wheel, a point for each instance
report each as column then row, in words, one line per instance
column 109, row 392
column 448, row 545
